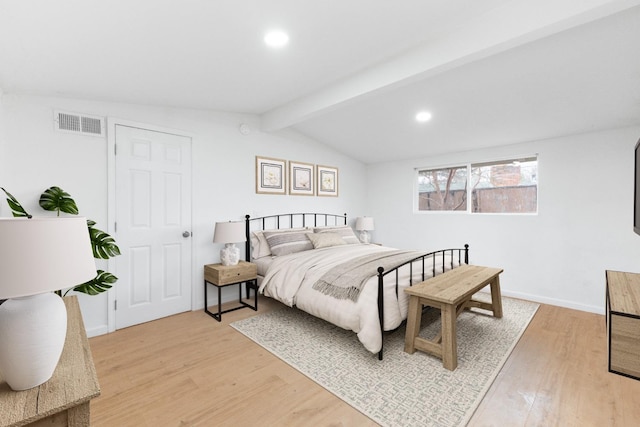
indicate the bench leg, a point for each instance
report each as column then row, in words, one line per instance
column 496, row 297
column 414, row 317
column 449, row 339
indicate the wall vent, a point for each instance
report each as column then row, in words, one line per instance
column 79, row 123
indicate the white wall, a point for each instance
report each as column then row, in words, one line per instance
column 35, row 157
column 559, row 256
column 2, row 139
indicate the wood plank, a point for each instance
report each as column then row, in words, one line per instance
column 414, row 317
column 625, row 345
column 428, row 346
column 496, row 297
column 625, row 295
column 449, row 337
column 189, row 369
column 557, row 376
column 455, row 285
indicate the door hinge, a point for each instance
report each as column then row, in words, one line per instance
column 115, row 227
column 115, row 305
column 115, row 150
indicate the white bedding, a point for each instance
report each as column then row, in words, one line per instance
column 290, row 278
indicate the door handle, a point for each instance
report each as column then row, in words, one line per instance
column 186, row 234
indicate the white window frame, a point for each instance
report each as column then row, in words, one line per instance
column 469, row 165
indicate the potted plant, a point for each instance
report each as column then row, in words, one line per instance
column 104, row 246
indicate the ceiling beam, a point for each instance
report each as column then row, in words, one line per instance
column 513, row 24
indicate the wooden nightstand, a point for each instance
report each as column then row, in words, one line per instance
column 220, row 276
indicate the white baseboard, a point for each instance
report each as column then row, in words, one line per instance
column 100, row 330
column 554, row 301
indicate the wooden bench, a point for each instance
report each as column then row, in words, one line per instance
column 451, row 292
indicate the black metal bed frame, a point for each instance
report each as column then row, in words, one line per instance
column 437, row 257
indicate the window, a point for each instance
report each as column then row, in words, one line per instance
column 507, row 186
column 443, row 189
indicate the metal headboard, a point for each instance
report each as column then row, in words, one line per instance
column 289, row 220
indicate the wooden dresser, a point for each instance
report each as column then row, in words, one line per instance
column 64, row 399
column 623, row 323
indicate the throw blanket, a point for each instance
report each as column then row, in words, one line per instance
column 345, row 281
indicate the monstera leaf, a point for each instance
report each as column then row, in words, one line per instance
column 103, row 245
column 57, row 200
column 97, row 285
column 16, row 208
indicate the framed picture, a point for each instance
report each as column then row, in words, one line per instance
column 271, row 176
column 327, row 181
column 301, row 179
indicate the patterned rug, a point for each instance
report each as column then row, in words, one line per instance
column 402, row 389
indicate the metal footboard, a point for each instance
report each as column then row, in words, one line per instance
column 438, row 258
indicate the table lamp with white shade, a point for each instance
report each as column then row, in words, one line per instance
column 229, row 233
column 38, row 256
column 364, row 224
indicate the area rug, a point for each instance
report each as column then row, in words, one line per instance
column 402, row 389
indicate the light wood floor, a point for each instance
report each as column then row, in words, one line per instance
column 190, row 370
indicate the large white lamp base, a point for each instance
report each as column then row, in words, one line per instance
column 365, row 237
column 32, row 334
column 230, row 254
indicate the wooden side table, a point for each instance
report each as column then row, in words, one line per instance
column 220, row 276
column 623, row 323
column 64, row 399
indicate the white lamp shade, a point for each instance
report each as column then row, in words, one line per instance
column 229, row 232
column 44, row 254
column 364, row 223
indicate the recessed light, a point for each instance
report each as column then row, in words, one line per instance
column 276, row 38
column 423, row 116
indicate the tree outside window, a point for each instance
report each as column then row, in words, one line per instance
column 443, row 189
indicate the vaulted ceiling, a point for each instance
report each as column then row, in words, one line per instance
column 354, row 73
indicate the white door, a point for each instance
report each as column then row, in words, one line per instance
column 153, row 224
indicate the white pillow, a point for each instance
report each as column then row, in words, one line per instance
column 259, row 245
column 325, row 240
column 344, row 231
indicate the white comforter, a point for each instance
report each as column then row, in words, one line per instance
column 290, row 278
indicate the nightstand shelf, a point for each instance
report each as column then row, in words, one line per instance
column 220, row 276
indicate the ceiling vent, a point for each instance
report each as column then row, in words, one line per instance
column 79, row 123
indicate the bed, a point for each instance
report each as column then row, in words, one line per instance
column 315, row 262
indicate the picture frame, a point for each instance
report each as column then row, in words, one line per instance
column 271, row 175
column 301, row 179
column 327, row 181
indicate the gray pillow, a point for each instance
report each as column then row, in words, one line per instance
column 287, row 242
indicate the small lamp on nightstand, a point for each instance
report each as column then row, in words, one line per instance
column 364, row 224
column 229, row 233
